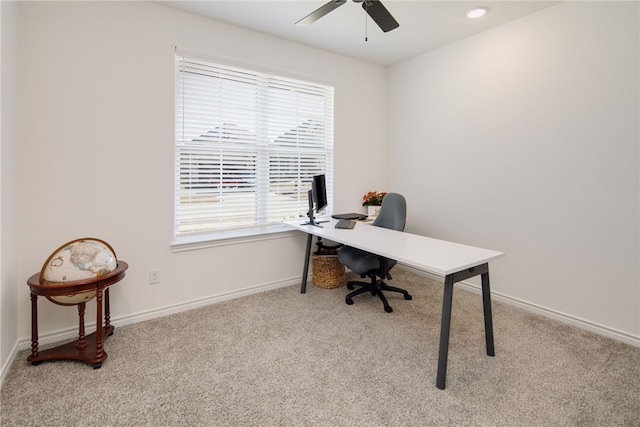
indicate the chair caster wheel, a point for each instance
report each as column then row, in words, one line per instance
column 35, row 363
column 388, row 309
column 349, row 301
column 349, row 286
column 97, row 365
column 408, row 297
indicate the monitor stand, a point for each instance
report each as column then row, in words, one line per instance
column 312, row 220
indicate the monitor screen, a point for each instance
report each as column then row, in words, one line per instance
column 319, row 191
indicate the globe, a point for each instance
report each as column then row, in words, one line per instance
column 77, row 260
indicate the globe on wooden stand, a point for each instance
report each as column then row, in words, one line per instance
column 74, row 274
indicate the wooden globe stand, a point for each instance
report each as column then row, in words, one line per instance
column 88, row 349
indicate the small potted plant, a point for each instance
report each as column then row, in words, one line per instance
column 373, row 200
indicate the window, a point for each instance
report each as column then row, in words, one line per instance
column 247, row 146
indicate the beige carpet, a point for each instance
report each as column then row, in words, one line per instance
column 284, row 359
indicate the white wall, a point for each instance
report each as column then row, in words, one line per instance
column 522, row 139
column 96, row 119
column 8, row 170
column 525, row 139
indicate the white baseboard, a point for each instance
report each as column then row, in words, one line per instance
column 7, row 366
column 543, row 311
column 190, row 305
column 72, row 333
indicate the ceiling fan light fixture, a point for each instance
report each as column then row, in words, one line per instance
column 477, row 12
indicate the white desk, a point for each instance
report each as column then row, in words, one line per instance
column 453, row 261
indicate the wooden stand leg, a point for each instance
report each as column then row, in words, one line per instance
column 34, row 327
column 100, row 354
column 82, row 340
column 107, row 311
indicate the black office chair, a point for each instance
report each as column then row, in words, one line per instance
column 393, row 215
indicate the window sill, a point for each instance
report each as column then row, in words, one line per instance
column 235, row 237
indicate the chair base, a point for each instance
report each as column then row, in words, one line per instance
column 375, row 287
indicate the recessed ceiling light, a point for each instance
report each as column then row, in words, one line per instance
column 477, row 12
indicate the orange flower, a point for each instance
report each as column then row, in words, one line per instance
column 373, row 198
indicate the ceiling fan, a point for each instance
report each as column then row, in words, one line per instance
column 374, row 8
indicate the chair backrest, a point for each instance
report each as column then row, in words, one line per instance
column 393, row 212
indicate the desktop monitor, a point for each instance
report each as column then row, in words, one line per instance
column 319, row 191
column 317, row 198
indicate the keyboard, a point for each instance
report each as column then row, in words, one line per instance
column 345, row 223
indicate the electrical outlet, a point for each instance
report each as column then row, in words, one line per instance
column 154, row 277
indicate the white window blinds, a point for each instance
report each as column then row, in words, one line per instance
column 247, row 146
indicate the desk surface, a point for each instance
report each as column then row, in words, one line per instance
column 435, row 256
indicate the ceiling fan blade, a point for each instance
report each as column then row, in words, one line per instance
column 380, row 15
column 320, row 12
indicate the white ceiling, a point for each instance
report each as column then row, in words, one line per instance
column 424, row 25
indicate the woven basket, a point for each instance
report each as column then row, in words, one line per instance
column 328, row 272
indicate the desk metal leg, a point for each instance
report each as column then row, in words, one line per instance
column 445, row 326
column 488, row 318
column 307, row 255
